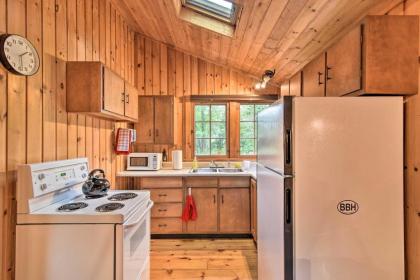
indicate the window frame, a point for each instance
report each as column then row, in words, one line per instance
column 212, row 13
column 227, row 122
column 255, row 121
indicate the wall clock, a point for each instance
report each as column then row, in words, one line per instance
column 18, row 55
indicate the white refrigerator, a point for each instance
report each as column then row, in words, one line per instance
column 330, row 189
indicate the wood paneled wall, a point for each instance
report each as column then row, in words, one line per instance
column 164, row 70
column 34, row 124
column 412, row 153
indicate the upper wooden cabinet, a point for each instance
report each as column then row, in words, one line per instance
column 285, row 88
column 158, row 120
column 344, row 69
column 313, row 83
column 94, row 89
column 378, row 57
column 295, row 84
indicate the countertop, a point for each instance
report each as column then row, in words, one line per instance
column 252, row 172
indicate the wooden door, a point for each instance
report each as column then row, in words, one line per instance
column 285, row 88
column 206, row 203
column 164, row 115
column 131, row 102
column 314, row 77
column 145, row 125
column 114, row 97
column 344, row 65
column 295, row 86
column 234, row 210
column 254, row 209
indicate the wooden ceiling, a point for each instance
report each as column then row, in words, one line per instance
column 279, row 34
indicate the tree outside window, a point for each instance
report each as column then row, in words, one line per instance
column 210, row 130
column 248, row 128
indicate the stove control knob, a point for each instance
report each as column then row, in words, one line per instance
column 84, row 175
column 82, row 167
column 43, row 187
column 41, row 176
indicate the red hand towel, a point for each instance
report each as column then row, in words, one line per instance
column 122, row 145
column 190, row 211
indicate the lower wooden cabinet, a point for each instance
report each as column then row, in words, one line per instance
column 254, row 209
column 206, row 202
column 234, row 210
column 166, row 225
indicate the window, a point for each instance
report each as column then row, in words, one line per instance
column 248, row 128
column 210, row 130
column 219, row 9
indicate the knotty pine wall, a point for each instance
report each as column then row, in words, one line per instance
column 34, row 124
column 164, row 70
column 412, row 153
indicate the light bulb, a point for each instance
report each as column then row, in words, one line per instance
column 258, row 85
column 263, row 84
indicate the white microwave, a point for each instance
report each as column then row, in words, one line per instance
column 144, row 161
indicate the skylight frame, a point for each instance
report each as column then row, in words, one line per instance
column 213, row 10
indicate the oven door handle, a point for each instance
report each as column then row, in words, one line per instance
column 151, row 203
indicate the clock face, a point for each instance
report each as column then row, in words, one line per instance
column 18, row 55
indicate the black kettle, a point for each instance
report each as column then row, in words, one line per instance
column 96, row 185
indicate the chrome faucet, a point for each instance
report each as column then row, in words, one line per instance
column 213, row 164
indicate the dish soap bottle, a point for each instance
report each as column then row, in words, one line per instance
column 195, row 163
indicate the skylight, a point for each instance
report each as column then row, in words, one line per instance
column 219, row 9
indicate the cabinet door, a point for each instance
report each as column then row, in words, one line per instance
column 145, row 125
column 164, row 115
column 131, row 101
column 206, row 203
column 234, row 210
column 295, row 87
column 344, row 65
column 114, row 97
column 254, row 209
column 314, row 77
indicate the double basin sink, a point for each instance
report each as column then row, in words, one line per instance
column 216, row 170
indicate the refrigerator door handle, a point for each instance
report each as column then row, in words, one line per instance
column 288, row 149
column 288, row 206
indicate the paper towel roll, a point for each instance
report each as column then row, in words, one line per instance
column 177, row 159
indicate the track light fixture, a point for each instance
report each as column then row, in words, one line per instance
column 268, row 74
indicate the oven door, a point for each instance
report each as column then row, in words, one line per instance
column 139, row 162
column 136, row 245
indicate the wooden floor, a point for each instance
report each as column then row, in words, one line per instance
column 203, row 259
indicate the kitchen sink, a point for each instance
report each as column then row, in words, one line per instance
column 230, row 170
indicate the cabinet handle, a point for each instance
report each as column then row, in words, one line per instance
column 162, row 225
column 157, row 132
column 123, row 97
column 328, row 73
column 150, row 132
column 319, row 78
column 214, row 198
column 127, row 98
column 162, row 210
column 162, row 194
column 223, row 199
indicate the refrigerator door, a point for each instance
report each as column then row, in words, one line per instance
column 275, row 224
column 349, row 221
column 274, row 130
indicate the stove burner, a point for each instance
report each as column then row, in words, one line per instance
column 108, row 207
column 72, row 206
column 94, row 196
column 122, row 196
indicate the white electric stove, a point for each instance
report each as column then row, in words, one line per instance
column 61, row 234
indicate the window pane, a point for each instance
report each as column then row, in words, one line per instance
column 247, row 147
column 202, row 113
column 247, row 130
column 218, row 130
column 259, row 108
column 246, row 112
column 202, row 130
column 218, row 147
column 218, row 112
column 202, row 147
